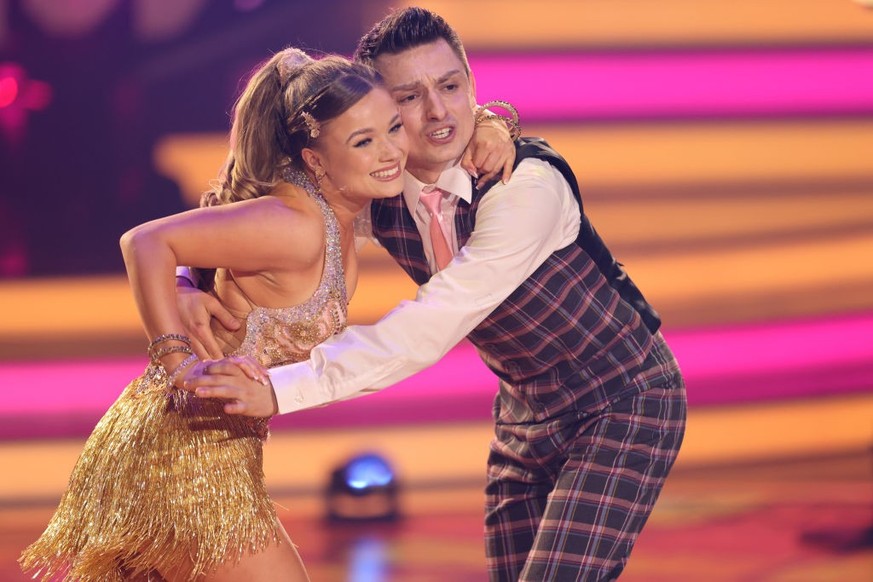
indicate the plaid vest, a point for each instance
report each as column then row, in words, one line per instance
column 575, row 332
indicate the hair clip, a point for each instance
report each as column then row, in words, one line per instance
column 311, row 123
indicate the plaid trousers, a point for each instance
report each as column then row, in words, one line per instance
column 566, row 498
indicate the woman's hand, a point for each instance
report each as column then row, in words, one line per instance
column 490, row 151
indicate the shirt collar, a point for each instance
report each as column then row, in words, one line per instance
column 454, row 180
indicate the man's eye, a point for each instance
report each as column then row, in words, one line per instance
column 406, row 99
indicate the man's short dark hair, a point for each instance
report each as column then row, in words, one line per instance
column 406, row 29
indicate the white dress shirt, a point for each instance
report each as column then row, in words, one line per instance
column 518, row 225
column 455, row 182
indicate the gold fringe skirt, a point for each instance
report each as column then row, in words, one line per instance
column 167, row 482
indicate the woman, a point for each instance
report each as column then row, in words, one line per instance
column 168, row 486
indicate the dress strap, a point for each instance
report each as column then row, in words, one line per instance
column 334, row 275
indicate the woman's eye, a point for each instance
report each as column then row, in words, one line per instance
column 364, row 142
column 396, row 127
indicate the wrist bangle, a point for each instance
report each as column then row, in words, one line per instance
column 156, row 356
column 512, row 123
column 183, row 365
column 167, row 337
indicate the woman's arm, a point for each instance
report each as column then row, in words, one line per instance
column 492, row 148
column 256, row 235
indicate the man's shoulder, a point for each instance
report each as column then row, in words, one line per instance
column 539, row 148
column 534, row 168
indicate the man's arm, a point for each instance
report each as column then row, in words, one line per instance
column 518, row 225
column 186, row 277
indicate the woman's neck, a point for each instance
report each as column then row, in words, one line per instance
column 344, row 208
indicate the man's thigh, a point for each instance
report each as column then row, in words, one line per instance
column 607, row 488
column 515, row 499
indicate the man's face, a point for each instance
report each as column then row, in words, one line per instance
column 436, row 101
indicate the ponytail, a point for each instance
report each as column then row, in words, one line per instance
column 259, row 148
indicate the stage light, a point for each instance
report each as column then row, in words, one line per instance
column 8, row 91
column 20, row 92
column 19, row 96
column 363, row 488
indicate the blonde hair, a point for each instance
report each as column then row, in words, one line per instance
column 269, row 118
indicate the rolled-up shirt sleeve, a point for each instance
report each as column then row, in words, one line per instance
column 518, row 225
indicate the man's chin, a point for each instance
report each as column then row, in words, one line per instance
column 444, row 157
column 427, row 162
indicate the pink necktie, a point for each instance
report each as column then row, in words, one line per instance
column 431, row 197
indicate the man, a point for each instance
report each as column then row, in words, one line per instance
column 591, row 406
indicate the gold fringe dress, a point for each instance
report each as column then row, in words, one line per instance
column 167, row 482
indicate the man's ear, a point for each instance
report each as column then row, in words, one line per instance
column 472, row 90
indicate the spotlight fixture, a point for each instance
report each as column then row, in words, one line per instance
column 364, row 488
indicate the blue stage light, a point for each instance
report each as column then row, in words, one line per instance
column 368, row 471
column 363, row 488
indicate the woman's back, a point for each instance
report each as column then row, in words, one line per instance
column 279, row 335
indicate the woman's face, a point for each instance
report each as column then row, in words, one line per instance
column 363, row 151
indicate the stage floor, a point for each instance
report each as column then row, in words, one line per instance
column 798, row 520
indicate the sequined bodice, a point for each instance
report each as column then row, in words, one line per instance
column 283, row 335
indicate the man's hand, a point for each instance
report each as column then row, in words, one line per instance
column 490, row 151
column 229, row 379
column 196, row 309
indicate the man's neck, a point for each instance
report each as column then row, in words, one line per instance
column 428, row 175
column 454, row 180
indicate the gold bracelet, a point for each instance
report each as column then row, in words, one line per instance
column 513, row 128
column 504, row 105
column 512, row 123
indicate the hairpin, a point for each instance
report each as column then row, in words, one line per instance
column 311, row 123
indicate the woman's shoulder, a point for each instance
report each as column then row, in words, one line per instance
column 283, row 203
column 290, row 221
